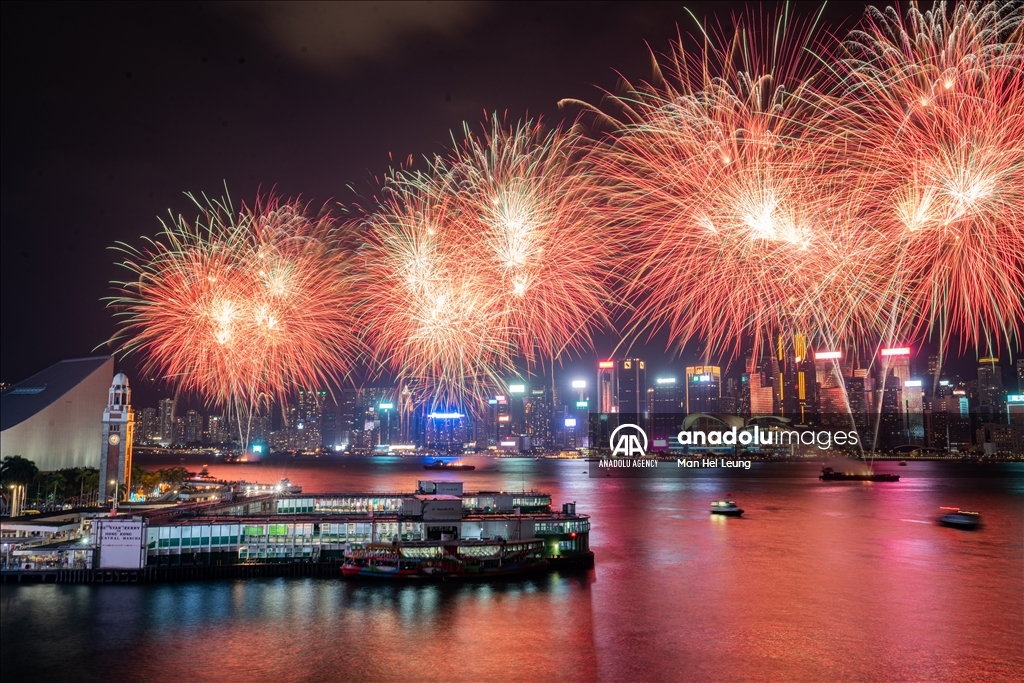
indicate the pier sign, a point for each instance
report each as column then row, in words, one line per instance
column 120, row 543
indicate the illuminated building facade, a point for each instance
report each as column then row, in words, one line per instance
column 703, row 388
column 116, row 453
column 50, row 418
column 605, row 388
column 632, row 390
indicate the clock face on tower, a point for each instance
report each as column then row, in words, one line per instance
column 114, row 439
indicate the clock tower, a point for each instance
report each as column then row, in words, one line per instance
column 116, row 451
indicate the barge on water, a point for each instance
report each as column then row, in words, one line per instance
column 829, row 474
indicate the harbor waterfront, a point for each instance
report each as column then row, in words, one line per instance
column 811, row 569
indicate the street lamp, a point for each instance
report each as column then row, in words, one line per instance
column 113, row 511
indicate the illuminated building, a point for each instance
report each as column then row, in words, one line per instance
column 632, row 390
column 828, row 372
column 217, row 429
column 606, row 386
column 891, row 428
column 539, row 413
column 116, row 452
column 193, row 424
column 990, row 386
column 668, row 404
column 150, row 425
column 1015, row 409
column 1020, row 375
column 446, row 431
column 762, row 394
column 517, row 408
column 166, row 409
column 913, row 408
column 896, row 360
column 703, row 388
column 805, row 389
column 50, row 418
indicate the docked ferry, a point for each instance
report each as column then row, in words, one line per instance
column 425, row 560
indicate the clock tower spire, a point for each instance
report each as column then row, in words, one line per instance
column 116, row 452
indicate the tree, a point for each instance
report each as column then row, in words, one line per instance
column 17, row 470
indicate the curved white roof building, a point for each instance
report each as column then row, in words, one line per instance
column 54, row 418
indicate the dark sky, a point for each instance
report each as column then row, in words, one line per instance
column 112, row 111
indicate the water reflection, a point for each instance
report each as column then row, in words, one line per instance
column 816, row 581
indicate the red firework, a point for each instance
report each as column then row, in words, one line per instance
column 936, row 104
column 240, row 308
column 727, row 187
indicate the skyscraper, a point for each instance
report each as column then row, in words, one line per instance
column 703, row 388
column 631, row 374
column 668, row 403
column 539, row 413
column 990, row 386
column 606, row 388
column 166, row 421
column 1020, row 375
column 150, row 425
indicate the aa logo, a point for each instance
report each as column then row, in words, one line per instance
column 628, row 441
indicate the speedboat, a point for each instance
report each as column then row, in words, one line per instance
column 726, row 507
column 960, row 519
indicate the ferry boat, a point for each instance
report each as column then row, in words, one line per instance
column 463, row 559
column 960, row 519
column 442, row 465
column 726, row 507
column 829, row 474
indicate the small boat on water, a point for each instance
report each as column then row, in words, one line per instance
column 829, row 474
column 726, row 507
column 960, row 519
column 432, row 560
column 903, row 463
column 452, row 466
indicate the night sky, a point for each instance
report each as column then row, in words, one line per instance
column 112, row 111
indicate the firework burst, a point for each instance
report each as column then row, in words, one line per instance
column 240, row 307
column 935, row 102
column 524, row 200
column 726, row 187
column 427, row 312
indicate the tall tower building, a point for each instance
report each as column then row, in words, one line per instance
column 806, row 385
column 606, row 389
column 667, row 405
column 1020, row 375
column 193, row 427
column 118, row 430
column 539, row 415
column 831, row 388
column 703, row 388
column 990, row 386
column 632, row 379
column 166, row 416
column 150, row 425
column 913, row 409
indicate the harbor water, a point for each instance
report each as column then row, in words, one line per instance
column 817, row 581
